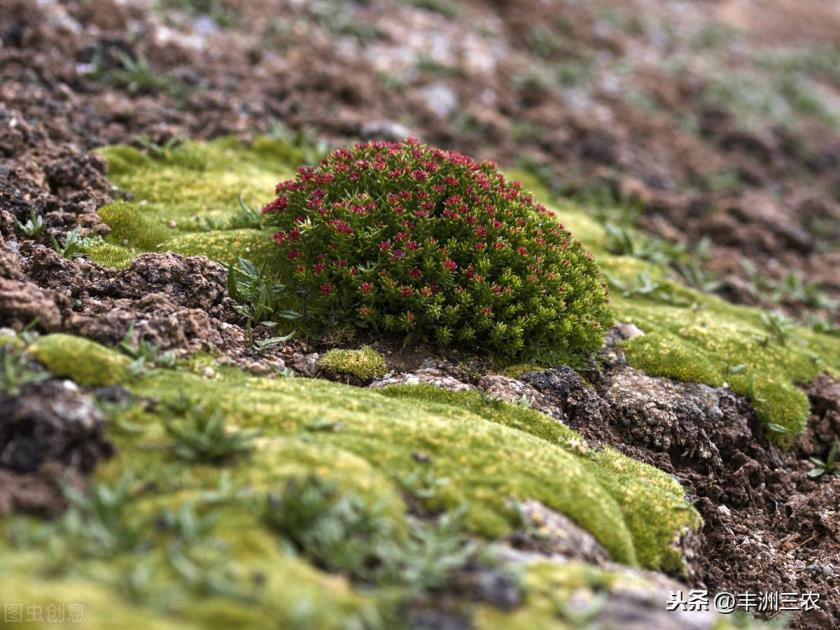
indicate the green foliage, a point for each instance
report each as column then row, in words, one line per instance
column 260, row 300
column 144, row 353
column 16, row 370
column 791, row 288
column 203, row 436
column 136, row 76
column 98, row 522
column 778, row 326
column 411, row 240
column 366, row 364
column 73, row 244
column 34, row 225
column 247, row 218
column 827, row 466
column 339, row 531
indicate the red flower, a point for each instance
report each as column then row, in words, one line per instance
column 406, row 291
column 293, row 254
column 385, row 245
column 415, row 273
column 326, row 289
column 450, row 264
column 279, row 237
column 365, row 288
column 294, row 234
column 521, row 251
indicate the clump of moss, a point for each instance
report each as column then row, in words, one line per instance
column 428, row 244
column 480, row 454
column 186, row 200
column 365, row 364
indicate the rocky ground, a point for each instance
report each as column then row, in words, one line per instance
column 704, row 135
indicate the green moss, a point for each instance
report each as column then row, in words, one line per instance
column 293, row 594
column 86, row 362
column 713, row 342
column 518, row 369
column 483, row 453
column 665, row 354
column 184, row 200
column 651, row 502
column 697, row 337
column 366, row 364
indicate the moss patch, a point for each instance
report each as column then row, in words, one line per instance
column 483, row 454
column 480, row 454
column 366, row 364
column 651, row 502
column 185, row 200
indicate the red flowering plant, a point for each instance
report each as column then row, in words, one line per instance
column 429, row 244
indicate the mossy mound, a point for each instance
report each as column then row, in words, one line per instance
column 365, row 364
column 192, row 199
column 691, row 335
column 479, row 455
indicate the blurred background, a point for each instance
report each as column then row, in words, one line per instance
column 704, row 134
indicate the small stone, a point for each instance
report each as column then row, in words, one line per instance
column 208, row 372
column 628, row 331
column 173, row 224
column 422, row 458
column 724, row 510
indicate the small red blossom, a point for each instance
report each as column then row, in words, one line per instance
column 450, row 264
column 326, row 289
column 366, row 288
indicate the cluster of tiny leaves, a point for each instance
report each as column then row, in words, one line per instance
column 409, row 239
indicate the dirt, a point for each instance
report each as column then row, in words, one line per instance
column 51, row 434
column 768, row 527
